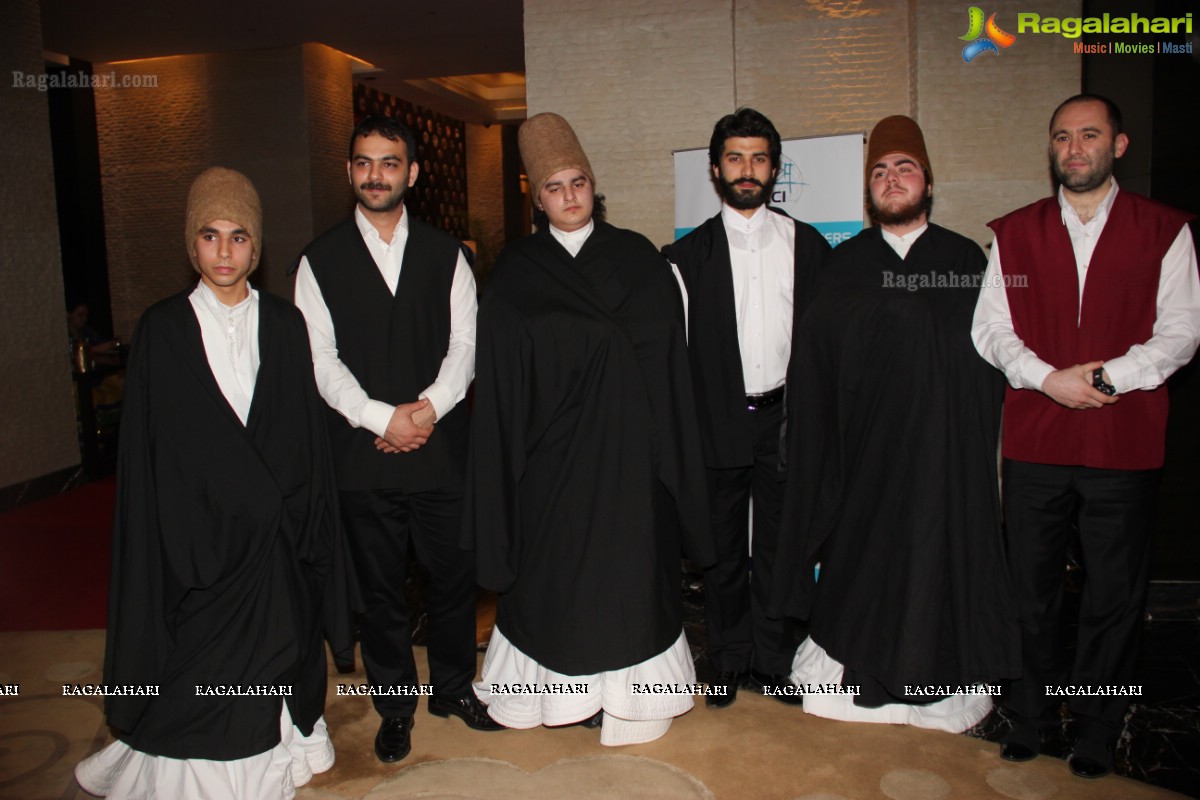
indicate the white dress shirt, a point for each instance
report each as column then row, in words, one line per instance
column 1174, row 336
column 573, row 240
column 337, row 384
column 230, row 335
column 762, row 252
column 902, row 244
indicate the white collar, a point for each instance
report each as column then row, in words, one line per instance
column 368, row 230
column 906, row 240
column 1102, row 210
column 223, row 311
column 734, row 219
column 573, row 240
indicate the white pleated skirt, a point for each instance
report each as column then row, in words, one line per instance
column 630, row 717
column 812, row 665
column 121, row 773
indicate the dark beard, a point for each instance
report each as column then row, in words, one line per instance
column 1081, row 184
column 901, row 216
column 745, row 200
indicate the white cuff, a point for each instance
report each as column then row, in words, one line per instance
column 1122, row 373
column 1036, row 375
column 376, row 416
column 441, row 398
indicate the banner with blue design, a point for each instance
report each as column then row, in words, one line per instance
column 820, row 182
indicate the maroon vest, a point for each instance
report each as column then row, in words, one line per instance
column 1119, row 309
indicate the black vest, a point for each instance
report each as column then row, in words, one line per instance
column 394, row 346
column 703, row 260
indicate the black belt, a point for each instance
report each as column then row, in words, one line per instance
column 755, row 402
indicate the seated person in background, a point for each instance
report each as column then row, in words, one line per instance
column 79, row 330
column 97, row 351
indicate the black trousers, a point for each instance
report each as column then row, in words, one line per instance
column 1115, row 512
column 380, row 525
column 740, row 635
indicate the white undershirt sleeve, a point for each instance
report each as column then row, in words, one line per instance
column 993, row 334
column 458, row 367
column 336, row 383
column 1176, row 329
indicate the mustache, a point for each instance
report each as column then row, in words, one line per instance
column 737, row 182
column 376, row 186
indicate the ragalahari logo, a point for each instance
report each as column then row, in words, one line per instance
column 992, row 40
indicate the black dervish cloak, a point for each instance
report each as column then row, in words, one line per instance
column 585, row 478
column 893, row 487
column 227, row 552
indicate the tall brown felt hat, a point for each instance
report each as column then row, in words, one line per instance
column 222, row 193
column 549, row 145
column 898, row 134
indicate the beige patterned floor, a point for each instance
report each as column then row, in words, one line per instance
column 757, row 749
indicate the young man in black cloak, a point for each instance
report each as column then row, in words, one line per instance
column 226, row 542
column 893, row 486
column 585, row 479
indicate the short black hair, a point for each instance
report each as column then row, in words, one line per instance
column 389, row 128
column 1115, row 120
column 744, row 122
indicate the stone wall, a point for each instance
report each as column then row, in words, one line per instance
column 281, row 116
column 485, row 191
column 638, row 79
column 37, row 431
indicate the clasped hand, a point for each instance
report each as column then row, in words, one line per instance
column 1072, row 387
column 410, row 427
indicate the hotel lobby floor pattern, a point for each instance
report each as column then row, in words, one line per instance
column 757, row 748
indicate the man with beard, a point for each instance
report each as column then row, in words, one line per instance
column 1096, row 304
column 747, row 273
column 892, row 487
column 390, row 305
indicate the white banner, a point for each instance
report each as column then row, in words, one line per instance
column 820, row 182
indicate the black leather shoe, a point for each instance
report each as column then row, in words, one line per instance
column 777, row 687
column 594, row 721
column 1084, row 767
column 394, row 740
column 1016, row 751
column 729, row 681
column 1090, row 759
column 468, row 709
column 1023, row 741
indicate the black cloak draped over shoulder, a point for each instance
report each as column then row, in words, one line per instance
column 893, row 484
column 585, row 478
column 227, row 553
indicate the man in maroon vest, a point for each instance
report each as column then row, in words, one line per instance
column 1096, row 304
column 390, row 307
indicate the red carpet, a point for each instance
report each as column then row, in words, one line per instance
column 54, row 560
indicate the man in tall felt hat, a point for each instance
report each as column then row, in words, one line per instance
column 227, row 557
column 892, row 486
column 585, row 482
